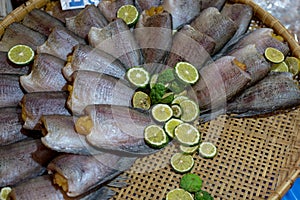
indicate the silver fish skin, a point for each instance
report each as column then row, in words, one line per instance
column 23, row 160
column 91, row 88
column 212, row 23
column 83, row 173
column 56, row 11
column 89, row 17
column 256, row 64
column 212, row 3
column 7, row 67
column 109, row 8
column 275, row 92
column 265, row 40
column 11, row 125
column 200, row 48
column 219, row 82
column 117, row 40
column 182, row 11
column 60, row 135
column 16, row 33
column 10, row 91
column 60, row 43
column 45, row 75
column 118, row 128
column 41, row 21
column 154, row 36
column 142, row 5
column 36, row 104
column 85, row 57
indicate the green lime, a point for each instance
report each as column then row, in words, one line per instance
column 179, row 194
column 141, row 100
column 176, row 110
column 128, row 13
column 20, row 54
column 186, row 72
column 161, row 112
column 274, row 55
column 179, row 99
column 279, row 67
column 167, row 98
column 190, row 110
column 207, row 150
column 294, row 64
column 4, row 194
column 182, row 162
column 153, row 80
column 155, row 136
column 191, row 182
column 187, row 134
column 203, row 195
column 188, row 150
column 138, row 76
column 171, row 125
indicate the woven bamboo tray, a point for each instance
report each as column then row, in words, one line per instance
column 258, row 158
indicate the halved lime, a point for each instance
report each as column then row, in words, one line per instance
column 279, row 67
column 155, row 136
column 191, row 182
column 186, row 72
column 294, row 64
column 188, row 150
column 187, row 134
column 207, row 150
column 162, row 112
column 179, row 99
column 176, row 110
column 138, row 76
column 5, row 193
column 190, row 110
column 182, row 162
column 128, row 13
column 179, row 194
column 141, row 100
column 20, row 54
column 171, row 125
column 274, row 55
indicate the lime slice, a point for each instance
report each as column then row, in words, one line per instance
column 188, row 150
column 179, row 99
column 186, row 72
column 182, row 162
column 274, row 55
column 179, row 194
column 294, row 64
column 203, row 195
column 207, row 150
column 191, row 182
column 190, row 110
column 279, row 67
column 187, row 134
column 162, row 112
column 153, row 80
column 128, row 13
column 171, row 125
column 141, row 100
column 167, row 98
column 5, row 193
column 138, row 76
column 155, row 136
column 20, row 54
column 176, row 111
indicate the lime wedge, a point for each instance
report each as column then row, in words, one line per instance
column 153, row 80
column 4, row 194
column 274, row 55
column 167, row 98
column 191, row 182
column 179, row 99
column 141, row 100
column 176, row 110
column 186, row 72
column 203, row 195
column 155, row 136
column 294, row 64
column 179, row 194
column 188, row 150
column 171, row 125
column 162, row 112
column 182, row 162
column 128, row 13
column 21, row 54
column 207, row 150
column 279, row 67
column 190, row 110
column 138, row 76
column 187, row 134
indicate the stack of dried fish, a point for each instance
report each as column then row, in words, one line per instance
column 68, row 114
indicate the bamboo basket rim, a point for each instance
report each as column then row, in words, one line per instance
column 266, row 18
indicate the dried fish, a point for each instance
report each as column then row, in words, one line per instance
column 7, row 67
column 142, row 5
column 54, row 9
column 212, row 3
column 109, row 8
column 10, row 91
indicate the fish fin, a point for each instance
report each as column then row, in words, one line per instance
column 119, row 181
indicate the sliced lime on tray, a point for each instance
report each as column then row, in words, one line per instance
column 190, row 110
column 187, row 134
column 161, row 112
column 188, row 150
column 182, row 162
column 21, row 54
column 128, row 13
column 171, row 125
column 141, row 100
column 186, row 72
column 207, row 150
column 138, row 76
column 274, row 55
column 155, row 136
column 179, row 194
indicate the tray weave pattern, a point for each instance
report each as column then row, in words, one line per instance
column 258, row 158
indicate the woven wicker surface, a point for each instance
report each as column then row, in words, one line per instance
column 258, row 158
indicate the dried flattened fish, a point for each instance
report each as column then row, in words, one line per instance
column 109, row 8
column 212, row 3
column 54, row 9
column 7, row 67
column 146, row 4
column 10, row 91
